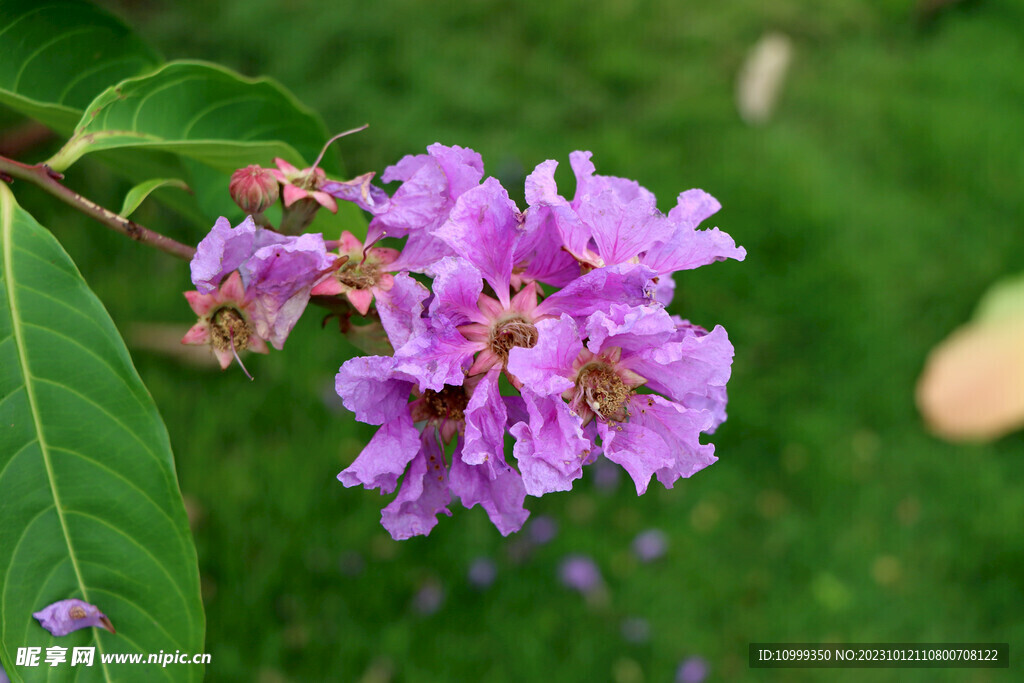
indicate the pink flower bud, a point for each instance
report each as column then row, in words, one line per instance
column 254, row 189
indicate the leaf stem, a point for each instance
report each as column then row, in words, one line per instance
column 49, row 180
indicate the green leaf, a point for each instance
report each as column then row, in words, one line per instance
column 138, row 194
column 88, row 492
column 1003, row 300
column 202, row 111
column 56, row 55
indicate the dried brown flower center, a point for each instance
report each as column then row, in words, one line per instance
column 603, row 391
column 510, row 334
column 227, row 327
column 76, row 612
column 360, row 275
column 448, row 404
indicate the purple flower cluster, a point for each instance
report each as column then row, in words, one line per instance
column 547, row 326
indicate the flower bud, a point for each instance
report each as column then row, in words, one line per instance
column 254, row 189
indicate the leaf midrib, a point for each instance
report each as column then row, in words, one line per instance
column 7, row 226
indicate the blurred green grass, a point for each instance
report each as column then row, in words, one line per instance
column 876, row 207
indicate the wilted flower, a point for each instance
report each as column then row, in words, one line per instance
column 225, row 321
column 363, row 276
column 65, row 616
column 305, row 184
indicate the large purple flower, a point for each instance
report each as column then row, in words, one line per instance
column 469, row 332
column 568, row 385
column 278, row 271
column 473, row 413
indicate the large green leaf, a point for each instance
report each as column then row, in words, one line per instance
column 55, row 55
column 202, row 111
column 89, row 499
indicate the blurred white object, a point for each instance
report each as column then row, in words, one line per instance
column 761, row 78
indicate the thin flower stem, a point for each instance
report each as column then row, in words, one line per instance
column 339, row 135
column 49, row 180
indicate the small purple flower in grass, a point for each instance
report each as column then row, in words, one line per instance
column 65, row 616
column 693, row 670
column 482, row 572
column 650, row 545
column 3, row 676
column 580, row 573
column 543, row 530
column 429, row 598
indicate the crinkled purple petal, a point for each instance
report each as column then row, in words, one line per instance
column 515, row 409
column 421, row 252
column 664, row 288
column 401, row 309
column 684, row 363
column 485, row 425
column 714, row 401
column 640, row 450
column 634, row 329
column 693, row 207
column 498, row 489
column 550, row 215
column 588, row 184
column 367, row 388
column 280, row 277
column 686, row 247
column 60, row 619
column 623, row 230
column 439, row 356
column 550, row 448
column 484, row 228
column 457, row 286
column 360, row 192
column 462, row 167
column 225, row 249
column 679, row 428
column 546, row 368
column 419, row 200
column 549, row 262
column 383, row 460
column 423, row 496
column 625, row 283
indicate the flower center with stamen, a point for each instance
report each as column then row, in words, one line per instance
column 359, row 276
column 603, row 391
column 511, row 333
column 448, row 404
column 227, row 328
